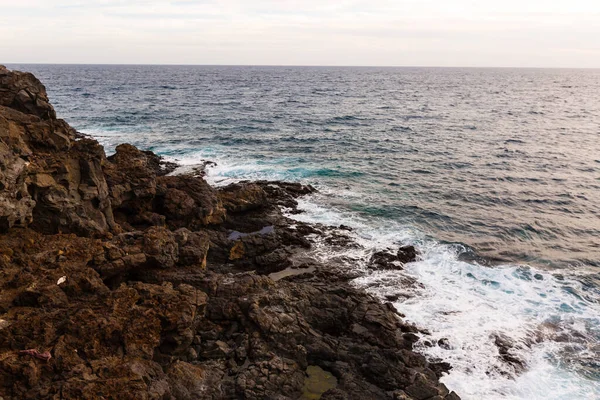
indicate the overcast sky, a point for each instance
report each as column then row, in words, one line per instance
column 521, row 33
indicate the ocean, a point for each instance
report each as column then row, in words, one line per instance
column 494, row 174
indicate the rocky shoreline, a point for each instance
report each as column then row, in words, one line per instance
column 121, row 281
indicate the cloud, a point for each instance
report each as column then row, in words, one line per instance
column 309, row 32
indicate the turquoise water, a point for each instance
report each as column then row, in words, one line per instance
column 493, row 173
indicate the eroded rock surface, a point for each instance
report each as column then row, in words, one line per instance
column 120, row 281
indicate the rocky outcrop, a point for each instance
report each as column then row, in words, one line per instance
column 242, row 197
column 23, row 92
column 386, row 259
column 120, row 281
column 51, row 176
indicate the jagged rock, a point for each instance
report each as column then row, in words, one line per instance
column 507, row 350
column 407, row 254
column 194, row 249
column 70, row 191
column 384, row 260
column 422, row 389
column 148, row 292
column 284, row 194
column 189, row 202
column 16, row 205
column 131, row 177
column 24, row 92
column 49, row 180
column 160, row 247
column 192, row 382
column 238, row 198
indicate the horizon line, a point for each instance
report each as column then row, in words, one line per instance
column 294, row 66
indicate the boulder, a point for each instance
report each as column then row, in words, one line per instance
column 237, row 198
column 131, row 177
column 382, row 260
column 189, row 202
column 407, row 254
column 70, row 191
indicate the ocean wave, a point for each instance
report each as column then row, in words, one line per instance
column 548, row 321
column 465, row 306
column 488, row 188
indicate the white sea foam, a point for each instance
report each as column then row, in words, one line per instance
column 107, row 138
column 462, row 304
column 227, row 169
column 466, row 306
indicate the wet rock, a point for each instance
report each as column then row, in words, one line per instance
column 158, row 164
column 284, row 194
column 407, row 254
column 422, row 389
column 392, row 297
column 383, row 260
column 200, row 169
column 440, row 368
column 506, row 350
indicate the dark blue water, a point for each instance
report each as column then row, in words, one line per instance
column 507, row 161
column 494, row 172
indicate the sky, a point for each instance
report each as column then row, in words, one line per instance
column 469, row 33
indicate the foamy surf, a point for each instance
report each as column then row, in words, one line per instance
column 522, row 182
column 548, row 328
column 545, row 327
column 225, row 169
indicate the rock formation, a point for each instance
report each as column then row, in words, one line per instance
column 120, row 281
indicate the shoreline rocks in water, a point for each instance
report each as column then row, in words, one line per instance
column 120, row 281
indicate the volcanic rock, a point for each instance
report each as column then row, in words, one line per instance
column 118, row 280
column 407, row 254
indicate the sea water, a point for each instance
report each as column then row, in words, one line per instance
column 494, row 174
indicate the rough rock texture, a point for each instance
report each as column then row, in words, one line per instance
column 50, row 176
column 119, row 281
column 23, row 92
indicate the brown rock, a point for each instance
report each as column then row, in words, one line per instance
column 24, row 92
column 237, row 251
column 131, row 177
column 126, row 307
column 189, row 202
column 243, row 197
column 16, row 205
column 160, row 247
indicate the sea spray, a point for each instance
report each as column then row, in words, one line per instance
column 464, row 306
